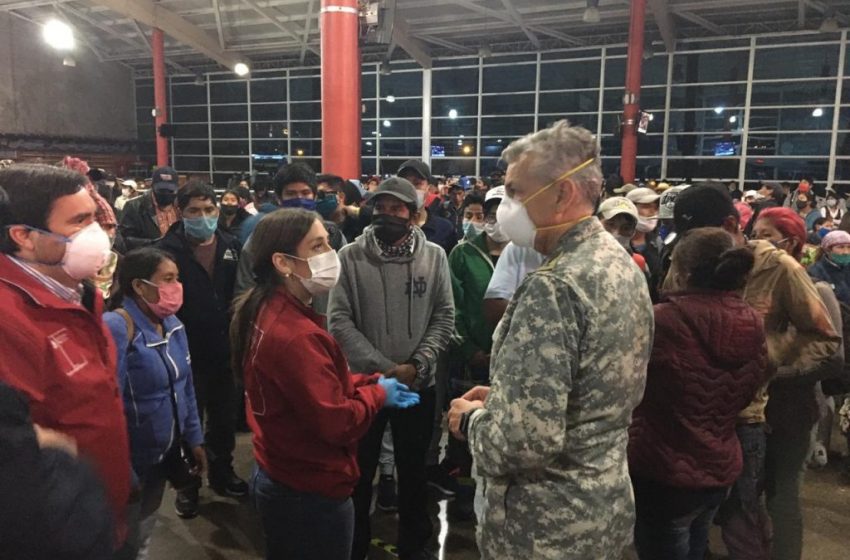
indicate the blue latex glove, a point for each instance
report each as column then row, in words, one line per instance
column 398, row 395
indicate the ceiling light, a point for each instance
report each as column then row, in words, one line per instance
column 817, row 112
column 391, row 99
column 385, row 68
column 591, row 14
column 199, row 81
column 499, row 141
column 453, row 113
column 651, row 117
column 241, row 69
column 69, row 62
column 719, row 110
column 369, row 143
column 484, row 51
column 58, row 35
column 299, row 152
column 733, row 119
column 387, row 124
column 467, row 150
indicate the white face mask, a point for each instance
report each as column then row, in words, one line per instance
column 515, row 222
column 624, row 240
column 324, row 270
column 85, row 252
column 645, row 225
column 513, row 215
column 420, row 199
column 494, row 232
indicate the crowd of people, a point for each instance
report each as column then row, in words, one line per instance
column 616, row 363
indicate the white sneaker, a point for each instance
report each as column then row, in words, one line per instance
column 819, row 456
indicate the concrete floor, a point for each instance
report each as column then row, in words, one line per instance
column 229, row 529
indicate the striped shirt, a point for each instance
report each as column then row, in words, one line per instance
column 71, row 295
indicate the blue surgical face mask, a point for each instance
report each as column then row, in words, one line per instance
column 822, row 232
column 305, row 203
column 202, row 228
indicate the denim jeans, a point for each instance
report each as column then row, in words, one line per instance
column 299, row 525
column 743, row 516
column 672, row 523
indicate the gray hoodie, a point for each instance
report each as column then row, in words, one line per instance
column 386, row 311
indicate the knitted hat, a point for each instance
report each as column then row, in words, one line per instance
column 834, row 239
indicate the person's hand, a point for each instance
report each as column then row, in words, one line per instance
column 52, row 439
column 398, row 395
column 480, row 359
column 478, row 393
column 405, row 373
column 459, row 407
column 200, row 460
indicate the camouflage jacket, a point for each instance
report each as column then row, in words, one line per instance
column 569, row 366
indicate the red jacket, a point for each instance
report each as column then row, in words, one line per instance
column 62, row 358
column 708, row 359
column 306, row 409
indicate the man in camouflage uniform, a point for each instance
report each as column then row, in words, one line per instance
column 568, row 367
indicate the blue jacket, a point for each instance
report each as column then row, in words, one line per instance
column 144, row 365
column 835, row 275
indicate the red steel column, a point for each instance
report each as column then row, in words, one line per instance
column 160, row 99
column 631, row 100
column 340, row 27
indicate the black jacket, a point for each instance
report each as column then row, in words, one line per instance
column 206, row 301
column 138, row 224
column 53, row 505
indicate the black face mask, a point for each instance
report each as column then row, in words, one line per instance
column 229, row 209
column 164, row 198
column 390, row 229
column 801, row 204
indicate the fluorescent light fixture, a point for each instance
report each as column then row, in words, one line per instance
column 651, row 117
column 591, row 14
column 453, row 113
column 58, row 35
column 719, row 110
column 733, row 119
column 387, row 124
column 241, row 69
column 499, row 141
column 369, row 143
column 817, row 112
column 69, row 62
column 391, row 99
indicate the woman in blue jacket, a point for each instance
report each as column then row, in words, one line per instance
column 153, row 356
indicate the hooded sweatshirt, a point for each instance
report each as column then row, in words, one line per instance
column 387, row 311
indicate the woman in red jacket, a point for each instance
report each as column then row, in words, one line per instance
column 709, row 357
column 306, row 409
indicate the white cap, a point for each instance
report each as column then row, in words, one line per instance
column 668, row 202
column 129, row 183
column 617, row 205
column 643, row 195
column 496, row 193
column 753, row 194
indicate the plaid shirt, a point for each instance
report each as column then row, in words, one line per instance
column 71, row 295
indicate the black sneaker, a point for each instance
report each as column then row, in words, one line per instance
column 439, row 478
column 228, row 484
column 387, row 498
column 186, row 504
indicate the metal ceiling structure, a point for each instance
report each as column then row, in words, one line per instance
column 206, row 35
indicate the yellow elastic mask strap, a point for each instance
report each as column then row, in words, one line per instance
column 566, row 225
column 569, row 173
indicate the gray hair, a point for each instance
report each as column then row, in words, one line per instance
column 556, row 150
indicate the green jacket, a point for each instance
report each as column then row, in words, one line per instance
column 471, row 270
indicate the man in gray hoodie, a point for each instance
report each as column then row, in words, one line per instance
column 392, row 311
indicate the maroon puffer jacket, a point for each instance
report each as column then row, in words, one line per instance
column 708, row 359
